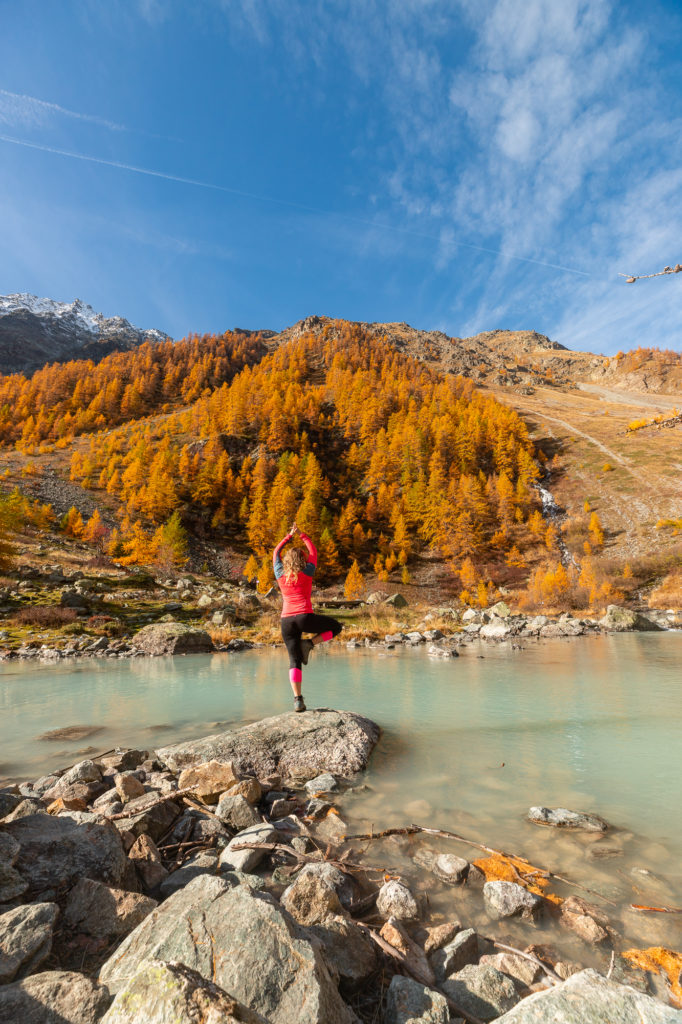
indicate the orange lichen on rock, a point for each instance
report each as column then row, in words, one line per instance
column 661, row 960
column 505, row 868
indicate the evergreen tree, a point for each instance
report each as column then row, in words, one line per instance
column 354, row 586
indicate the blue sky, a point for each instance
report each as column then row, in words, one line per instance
column 462, row 165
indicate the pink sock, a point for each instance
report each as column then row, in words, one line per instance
column 326, row 636
column 295, row 675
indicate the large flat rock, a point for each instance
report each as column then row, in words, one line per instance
column 588, row 998
column 295, row 746
column 244, row 942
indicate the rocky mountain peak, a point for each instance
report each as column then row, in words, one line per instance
column 35, row 331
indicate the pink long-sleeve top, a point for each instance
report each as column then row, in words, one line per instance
column 296, row 596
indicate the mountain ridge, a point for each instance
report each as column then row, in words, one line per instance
column 35, row 331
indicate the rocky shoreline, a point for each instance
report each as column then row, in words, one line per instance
column 131, row 617
column 215, row 880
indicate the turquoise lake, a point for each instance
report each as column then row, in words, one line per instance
column 469, row 744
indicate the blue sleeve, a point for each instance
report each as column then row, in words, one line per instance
column 278, row 567
column 309, row 569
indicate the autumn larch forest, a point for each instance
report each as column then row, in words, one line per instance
column 391, row 466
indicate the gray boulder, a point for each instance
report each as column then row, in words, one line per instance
column 562, row 817
column 564, row 627
column 588, row 998
column 310, row 900
column 501, row 610
column 481, row 991
column 237, row 812
column 8, row 801
column 247, row 860
column 12, row 884
column 622, row 620
column 53, row 997
column 333, row 877
column 325, row 783
column 172, row 638
column 57, row 851
column 396, row 900
column 523, row 972
column 408, row 1002
column 25, row 939
column 245, row 943
column 397, row 601
column 450, row 868
column 171, row 992
column 507, row 899
column 459, row 952
column 290, row 745
column 147, row 816
column 100, row 911
column 205, row 862
column 498, row 629
column 348, row 952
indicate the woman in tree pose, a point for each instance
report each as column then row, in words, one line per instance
column 294, row 574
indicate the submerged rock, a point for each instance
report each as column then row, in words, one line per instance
column 171, row 992
column 245, row 943
column 53, row 997
column 588, row 998
column 291, row 745
column 562, row 817
column 507, row 899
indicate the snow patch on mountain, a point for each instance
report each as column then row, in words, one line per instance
column 78, row 313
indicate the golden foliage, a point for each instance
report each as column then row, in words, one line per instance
column 507, row 868
column 662, row 961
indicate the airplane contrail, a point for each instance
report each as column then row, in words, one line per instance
column 32, row 104
column 292, row 204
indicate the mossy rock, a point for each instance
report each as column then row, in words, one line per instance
column 172, row 638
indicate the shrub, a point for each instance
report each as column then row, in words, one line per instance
column 669, row 593
column 45, row 615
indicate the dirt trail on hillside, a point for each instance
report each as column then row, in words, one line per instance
column 635, row 399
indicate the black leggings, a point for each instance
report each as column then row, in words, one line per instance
column 308, row 622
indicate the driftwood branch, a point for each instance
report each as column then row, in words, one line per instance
column 346, row 866
column 414, row 829
column 631, row 278
column 551, row 974
column 147, row 807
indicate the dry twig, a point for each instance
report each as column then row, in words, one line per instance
column 631, row 278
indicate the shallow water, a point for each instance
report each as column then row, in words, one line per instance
column 468, row 744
